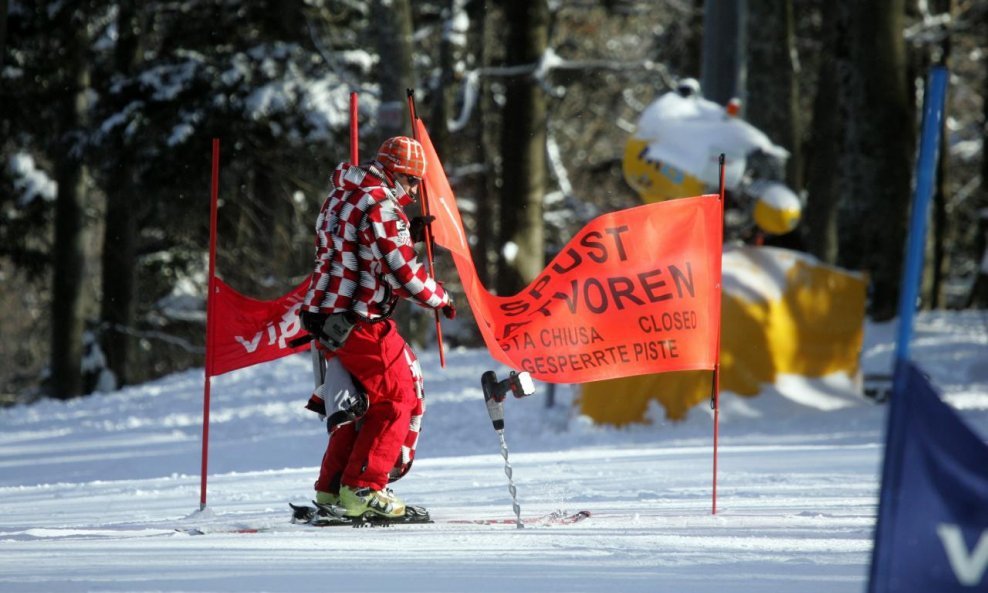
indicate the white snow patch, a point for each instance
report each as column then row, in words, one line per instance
column 102, row 483
column 30, row 181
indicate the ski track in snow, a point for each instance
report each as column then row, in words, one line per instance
column 96, row 493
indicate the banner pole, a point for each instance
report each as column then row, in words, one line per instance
column 926, row 173
column 934, row 100
column 428, row 231
column 210, row 317
column 354, row 131
column 715, row 379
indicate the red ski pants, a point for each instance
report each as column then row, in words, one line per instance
column 362, row 453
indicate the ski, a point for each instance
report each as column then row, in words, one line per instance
column 332, row 516
column 323, row 515
column 320, row 515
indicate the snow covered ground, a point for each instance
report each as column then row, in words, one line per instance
column 93, row 490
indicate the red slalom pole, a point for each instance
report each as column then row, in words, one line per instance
column 210, row 303
column 715, row 380
column 354, row 137
column 428, row 231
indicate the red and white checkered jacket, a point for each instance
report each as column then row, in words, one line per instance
column 364, row 251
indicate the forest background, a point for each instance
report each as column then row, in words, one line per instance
column 107, row 110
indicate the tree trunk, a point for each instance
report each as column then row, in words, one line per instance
column 979, row 292
column 118, row 306
column 442, row 103
column 3, row 29
column 771, row 89
column 691, row 63
column 879, row 149
column 273, row 212
column 920, row 59
column 488, row 128
column 942, row 235
column 393, row 32
column 823, row 158
column 69, row 261
column 723, row 68
column 523, row 149
column 685, row 58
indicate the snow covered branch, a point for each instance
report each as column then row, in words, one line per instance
column 540, row 71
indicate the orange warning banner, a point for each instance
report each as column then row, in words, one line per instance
column 634, row 292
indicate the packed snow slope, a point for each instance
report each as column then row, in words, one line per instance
column 100, row 493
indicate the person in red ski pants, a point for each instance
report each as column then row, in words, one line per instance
column 364, row 263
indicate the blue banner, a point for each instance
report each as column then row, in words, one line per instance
column 932, row 530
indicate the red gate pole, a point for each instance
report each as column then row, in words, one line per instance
column 428, row 231
column 354, row 133
column 210, row 303
column 715, row 379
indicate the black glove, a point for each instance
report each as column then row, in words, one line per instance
column 449, row 311
column 313, row 322
column 417, row 227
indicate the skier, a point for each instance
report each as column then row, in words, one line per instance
column 364, row 263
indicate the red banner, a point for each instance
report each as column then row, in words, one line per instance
column 634, row 292
column 244, row 331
